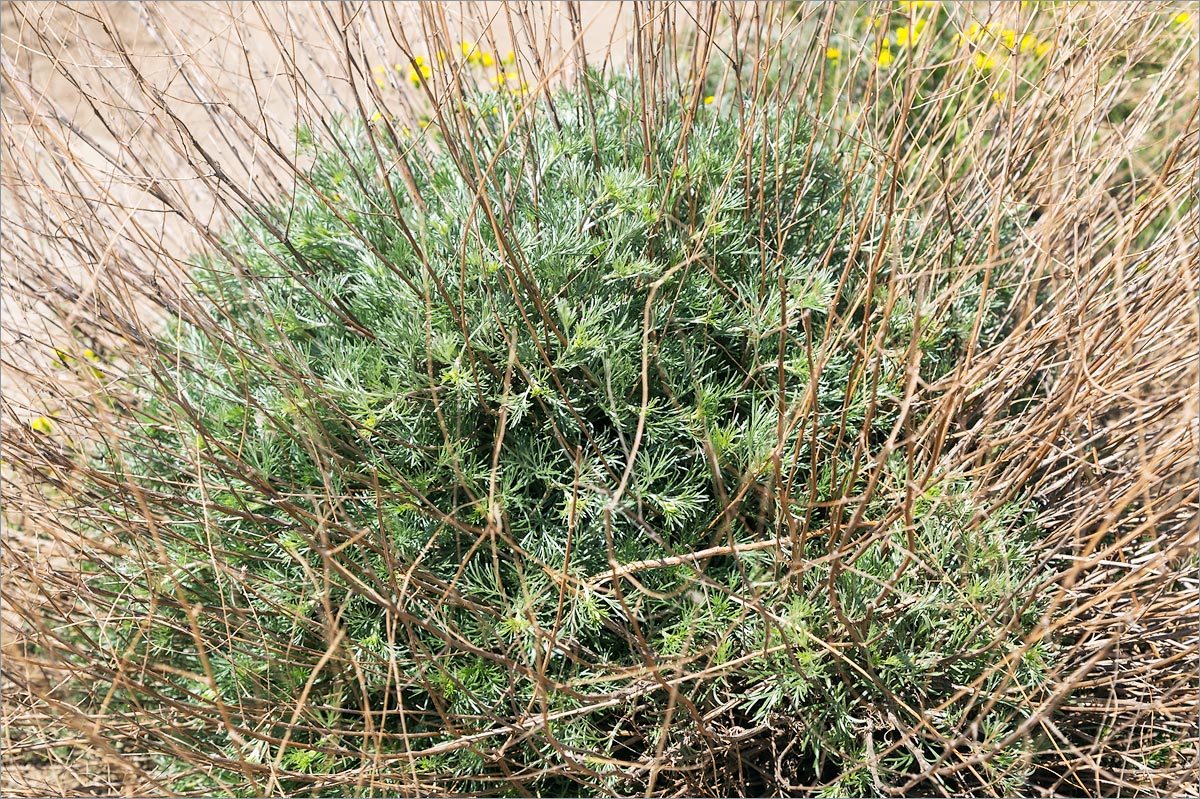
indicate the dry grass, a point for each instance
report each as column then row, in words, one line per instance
column 134, row 134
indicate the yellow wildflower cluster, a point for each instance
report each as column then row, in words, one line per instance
column 378, row 118
column 477, row 57
column 1008, row 38
column 421, row 69
column 67, row 360
column 906, row 36
column 510, row 80
column 885, row 57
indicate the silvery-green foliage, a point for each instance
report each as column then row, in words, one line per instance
column 416, row 435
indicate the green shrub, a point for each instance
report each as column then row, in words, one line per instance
column 391, row 457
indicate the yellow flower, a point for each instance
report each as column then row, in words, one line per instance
column 41, row 425
column 1028, row 43
column 499, row 79
column 1042, row 49
column 709, row 100
column 906, row 37
column 1009, row 37
column 94, row 358
column 417, row 73
column 998, row 95
column 487, row 60
column 1182, row 18
column 510, row 57
column 470, row 52
column 983, row 61
column 886, row 58
column 970, row 34
column 65, row 359
column 912, row 5
column 833, row 53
